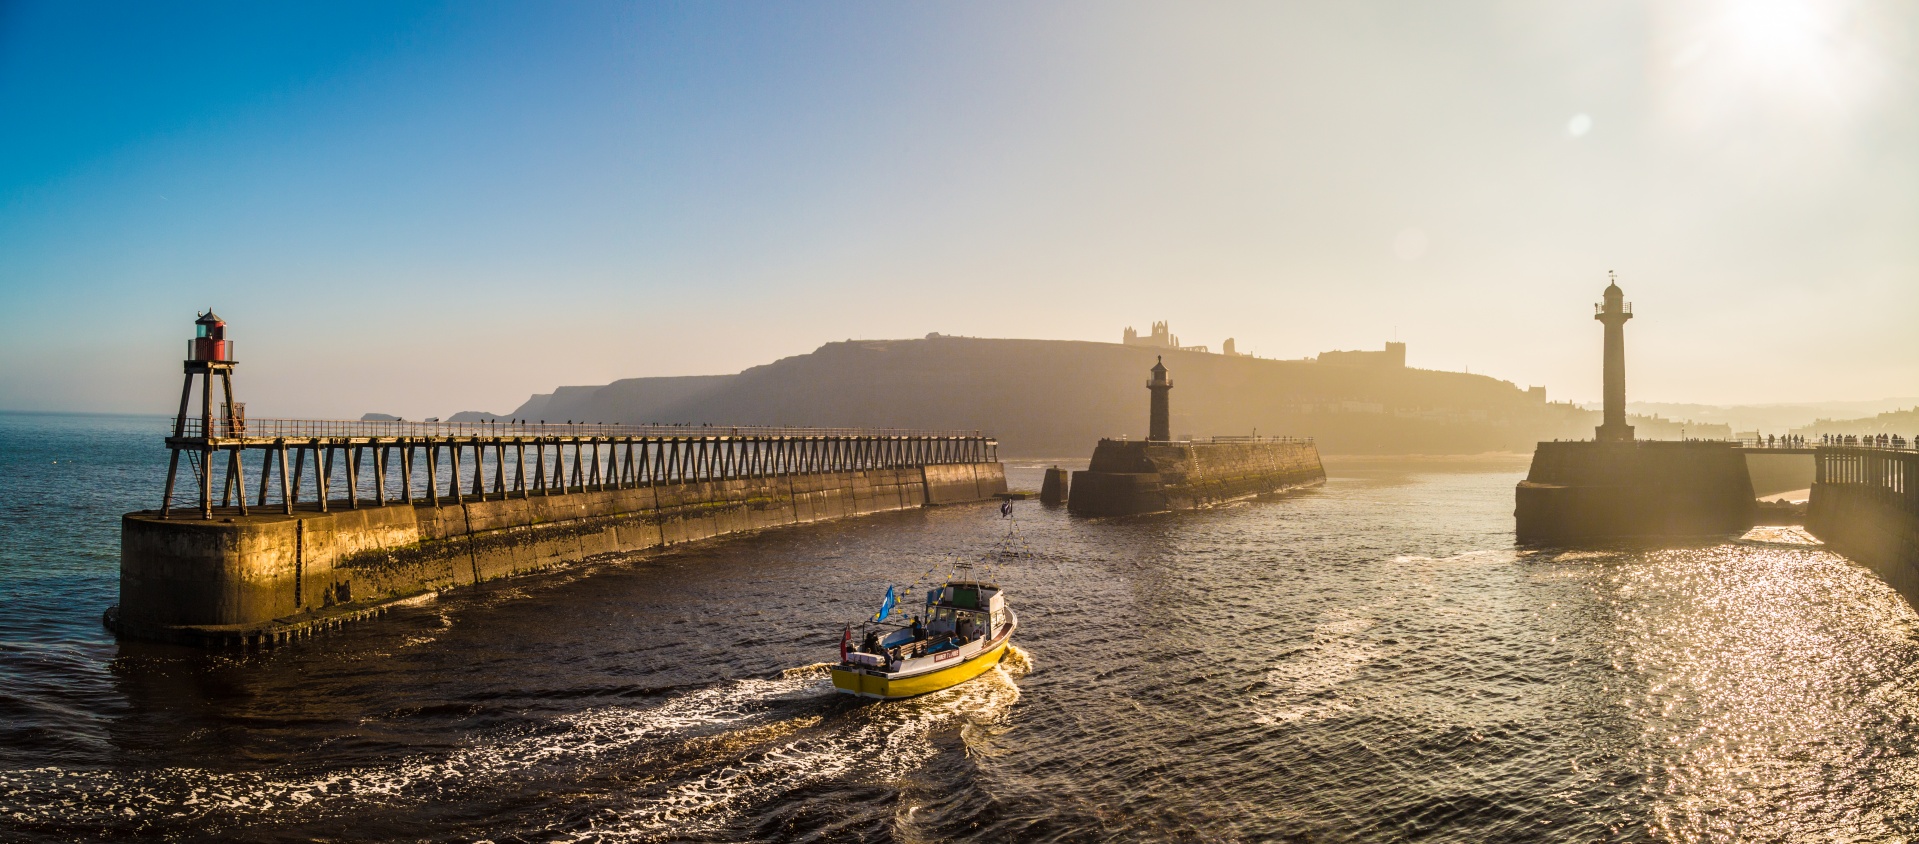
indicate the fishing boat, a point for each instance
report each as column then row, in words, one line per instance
column 966, row 630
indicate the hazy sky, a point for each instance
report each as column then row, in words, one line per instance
column 418, row 209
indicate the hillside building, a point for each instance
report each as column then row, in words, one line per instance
column 1161, row 338
column 1394, row 357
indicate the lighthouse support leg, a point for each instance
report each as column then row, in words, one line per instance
column 173, row 466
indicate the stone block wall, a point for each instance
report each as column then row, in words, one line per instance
column 1129, row 476
column 233, row 579
column 1871, row 526
column 1580, row 492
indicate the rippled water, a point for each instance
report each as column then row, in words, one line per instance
column 1369, row 661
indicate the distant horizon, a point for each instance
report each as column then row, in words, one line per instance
column 477, row 407
column 419, row 206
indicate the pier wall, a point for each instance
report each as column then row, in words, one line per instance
column 1865, row 505
column 1600, row 491
column 1132, row 476
column 265, row 576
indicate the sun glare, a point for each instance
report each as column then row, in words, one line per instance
column 1732, row 59
column 1783, row 37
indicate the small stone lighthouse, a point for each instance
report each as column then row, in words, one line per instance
column 1617, row 487
column 1160, row 427
column 1128, row 476
column 1613, row 313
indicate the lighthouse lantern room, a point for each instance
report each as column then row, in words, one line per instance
column 210, row 343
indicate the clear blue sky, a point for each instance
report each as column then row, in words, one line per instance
column 419, row 209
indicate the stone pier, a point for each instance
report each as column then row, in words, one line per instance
column 1130, row 476
column 1865, row 505
column 1580, row 492
column 265, row 577
column 1615, row 487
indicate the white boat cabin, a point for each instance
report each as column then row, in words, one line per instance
column 959, row 619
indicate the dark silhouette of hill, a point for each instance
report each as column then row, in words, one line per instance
column 1056, row 397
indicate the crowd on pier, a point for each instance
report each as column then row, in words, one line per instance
column 1867, row 441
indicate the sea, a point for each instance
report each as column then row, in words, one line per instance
column 1371, row 660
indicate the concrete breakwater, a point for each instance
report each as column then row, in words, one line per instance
column 1600, row 491
column 1865, row 505
column 264, row 577
column 1135, row 476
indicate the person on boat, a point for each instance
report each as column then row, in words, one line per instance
column 872, row 643
column 965, row 629
column 919, row 630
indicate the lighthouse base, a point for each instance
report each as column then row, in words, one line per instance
column 1583, row 492
column 1129, row 477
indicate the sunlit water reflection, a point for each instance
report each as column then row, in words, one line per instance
column 1373, row 660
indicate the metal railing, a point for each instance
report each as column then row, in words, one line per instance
column 1893, row 442
column 442, row 461
column 1895, row 472
column 306, row 429
column 1123, row 438
column 1796, row 443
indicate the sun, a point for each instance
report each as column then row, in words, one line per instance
column 1782, row 38
column 1725, row 59
column 1779, row 33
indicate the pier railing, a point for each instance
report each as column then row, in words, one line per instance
column 1810, row 444
column 1895, row 471
column 1221, row 439
column 449, row 463
column 341, row 429
column 1867, row 480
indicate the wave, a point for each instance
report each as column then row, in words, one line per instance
column 745, row 741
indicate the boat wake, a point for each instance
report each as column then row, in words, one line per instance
column 688, row 763
column 876, row 743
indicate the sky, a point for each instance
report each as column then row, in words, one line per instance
column 418, row 208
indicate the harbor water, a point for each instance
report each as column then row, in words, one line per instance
column 1371, row 660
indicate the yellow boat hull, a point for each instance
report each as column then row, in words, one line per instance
column 854, row 681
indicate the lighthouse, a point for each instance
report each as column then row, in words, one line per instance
column 1613, row 312
column 1615, row 487
column 209, row 354
column 1160, row 428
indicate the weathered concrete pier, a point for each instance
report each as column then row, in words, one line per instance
column 1597, row 491
column 351, row 517
column 1133, row 476
column 1614, row 487
column 1865, row 505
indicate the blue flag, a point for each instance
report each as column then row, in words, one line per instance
column 886, row 606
